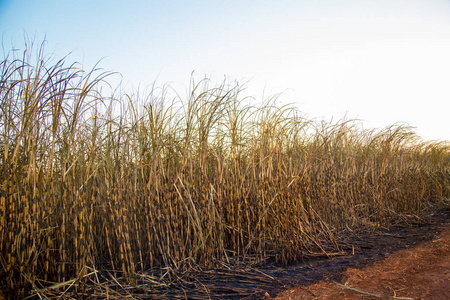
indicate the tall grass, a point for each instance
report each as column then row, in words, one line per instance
column 159, row 184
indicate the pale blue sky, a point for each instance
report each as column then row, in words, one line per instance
column 382, row 61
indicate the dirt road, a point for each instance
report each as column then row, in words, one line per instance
column 418, row 272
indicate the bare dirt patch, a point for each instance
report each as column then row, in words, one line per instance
column 419, row 271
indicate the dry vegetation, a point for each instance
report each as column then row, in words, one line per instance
column 142, row 189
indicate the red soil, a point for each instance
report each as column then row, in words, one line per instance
column 421, row 272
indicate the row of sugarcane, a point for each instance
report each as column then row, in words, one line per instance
column 137, row 185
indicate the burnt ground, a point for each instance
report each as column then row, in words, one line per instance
column 418, row 272
column 411, row 261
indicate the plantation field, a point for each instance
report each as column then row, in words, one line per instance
column 145, row 190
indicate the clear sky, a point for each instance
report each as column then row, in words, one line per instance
column 381, row 61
